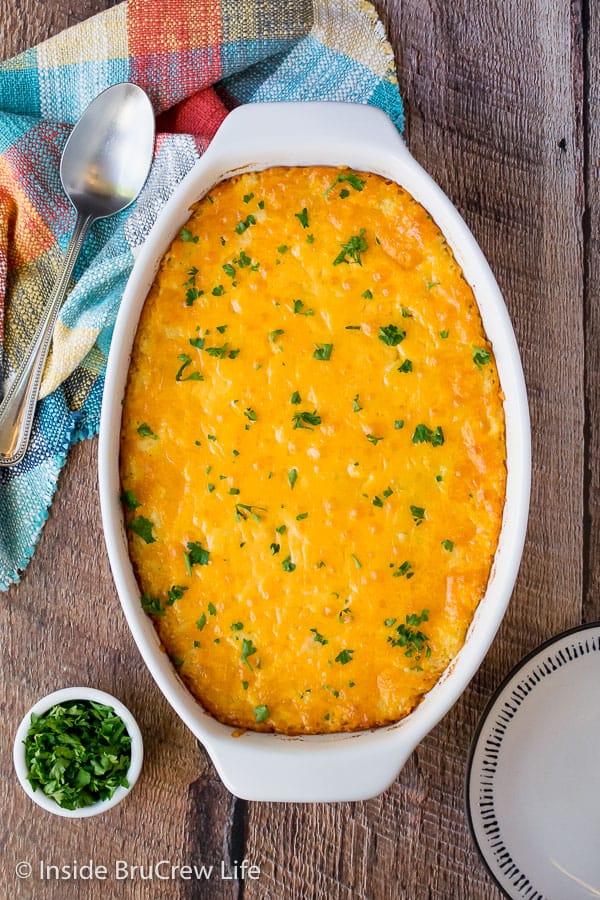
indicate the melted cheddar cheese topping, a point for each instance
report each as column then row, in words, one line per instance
column 312, row 452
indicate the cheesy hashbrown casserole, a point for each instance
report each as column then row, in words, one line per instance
column 312, row 452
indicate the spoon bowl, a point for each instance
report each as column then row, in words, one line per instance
column 103, row 168
column 105, row 160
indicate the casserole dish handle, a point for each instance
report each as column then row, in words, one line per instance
column 339, row 133
column 311, row 769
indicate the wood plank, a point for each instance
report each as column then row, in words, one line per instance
column 491, row 90
column 591, row 559
column 63, row 626
column 495, row 102
column 29, row 22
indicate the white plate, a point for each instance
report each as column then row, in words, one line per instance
column 533, row 780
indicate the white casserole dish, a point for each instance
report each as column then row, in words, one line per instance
column 339, row 767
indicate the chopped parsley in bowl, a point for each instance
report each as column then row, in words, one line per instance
column 78, row 752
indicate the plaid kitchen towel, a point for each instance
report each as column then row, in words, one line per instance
column 196, row 59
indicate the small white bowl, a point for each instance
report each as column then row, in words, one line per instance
column 64, row 696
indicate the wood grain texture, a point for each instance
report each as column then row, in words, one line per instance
column 591, row 115
column 500, row 109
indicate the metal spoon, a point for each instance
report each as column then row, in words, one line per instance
column 103, row 168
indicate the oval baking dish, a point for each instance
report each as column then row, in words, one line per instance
column 346, row 766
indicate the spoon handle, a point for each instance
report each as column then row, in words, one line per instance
column 18, row 405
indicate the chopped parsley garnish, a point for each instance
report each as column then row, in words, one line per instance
column 310, row 238
column 243, row 260
column 143, row 528
column 229, row 270
column 222, row 352
column 356, row 407
column 250, row 414
column 261, row 713
column 296, row 398
column 248, row 649
column 352, row 249
column 373, row 440
column 144, row 430
column 212, row 609
column 301, row 516
column 418, row 514
column 292, row 477
column 356, row 561
column 237, row 626
column 243, row 510
column 218, row 290
column 405, row 569
column 275, row 548
column 448, row 545
column 273, row 335
column 198, row 343
column 344, row 193
column 287, row 565
column 186, row 235
column 191, row 295
column 424, row 435
column 78, row 753
column 444, row 334
column 391, row 335
column 350, row 178
column 481, row 356
column 248, row 197
column 174, row 593
column 195, row 555
column 319, row 637
column 186, row 361
column 431, row 284
column 152, row 605
column 367, row 295
column 406, row 366
column 387, row 493
column 201, row 622
column 281, row 529
column 300, row 310
column 344, row 657
column 129, row 500
column 302, row 217
column 243, row 224
column 306, row 419
column 398, row 424
column 323, row 351
column 415, row 642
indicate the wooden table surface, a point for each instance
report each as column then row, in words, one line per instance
column 501, row 107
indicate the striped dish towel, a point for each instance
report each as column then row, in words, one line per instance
column 196, row 59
